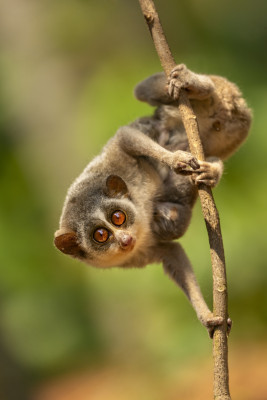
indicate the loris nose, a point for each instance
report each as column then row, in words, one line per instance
column 126, row 241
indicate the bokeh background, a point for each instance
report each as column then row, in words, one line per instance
column 68, row 331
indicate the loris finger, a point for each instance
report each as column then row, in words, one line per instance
column 187, row 168
column 194, row 163
column 205, row 178
column 174, row 88
column 180, row 167
column 204, row 166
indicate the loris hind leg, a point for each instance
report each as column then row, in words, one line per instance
column 157, row 89
column 222, row 113
column 178, row 267
column 154, row 90
column 197, row 86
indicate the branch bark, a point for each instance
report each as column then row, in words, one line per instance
column 209, row 210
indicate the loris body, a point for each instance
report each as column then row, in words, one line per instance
column 136, row 197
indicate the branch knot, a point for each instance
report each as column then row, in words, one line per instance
column 149, row 17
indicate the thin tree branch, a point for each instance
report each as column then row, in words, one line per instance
column 210, row 213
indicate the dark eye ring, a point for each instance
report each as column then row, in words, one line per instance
column 118, row 218
column 101, row 235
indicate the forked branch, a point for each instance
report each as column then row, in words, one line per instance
column 210, row 213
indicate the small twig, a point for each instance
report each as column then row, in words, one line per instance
column 210, row 213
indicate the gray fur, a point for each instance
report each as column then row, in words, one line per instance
column 155, row 180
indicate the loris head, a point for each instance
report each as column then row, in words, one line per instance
column 100, row 224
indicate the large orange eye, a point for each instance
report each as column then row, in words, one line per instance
column 118, row 218
column 101, row 235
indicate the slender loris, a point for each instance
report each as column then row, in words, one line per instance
column 133, row 200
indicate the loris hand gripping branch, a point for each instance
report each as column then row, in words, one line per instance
column 133, row 200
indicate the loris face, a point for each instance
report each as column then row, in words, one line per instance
column 101, row 229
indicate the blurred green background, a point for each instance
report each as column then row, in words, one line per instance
column 67, row 73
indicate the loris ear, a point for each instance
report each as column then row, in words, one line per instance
column 67, row 242
column 116, row 187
